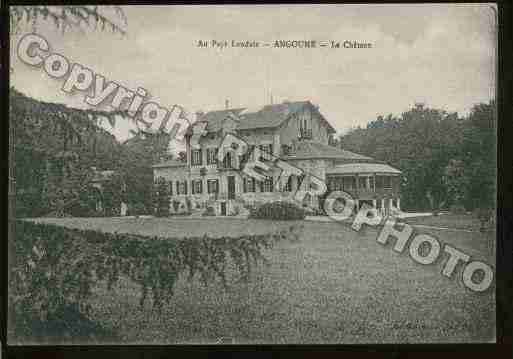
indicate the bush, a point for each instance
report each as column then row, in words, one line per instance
column 209, row 211
column 137, row 209
column 458, row 209
column 278, row 211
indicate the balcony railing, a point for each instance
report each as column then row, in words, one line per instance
column 226, row 166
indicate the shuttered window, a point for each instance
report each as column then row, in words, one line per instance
column 248, row 184
column 211, row 156
column 181, row 187
column 267, row 185
column 196, row 157
column 197, row 186
column 213, row 186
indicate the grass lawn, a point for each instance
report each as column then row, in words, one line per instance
column 334, row 286
column 447, row 220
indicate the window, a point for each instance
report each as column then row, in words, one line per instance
column 181, row 187
column 227, row 161
column 371, row 183
column 288, row 185
column 248, row 184
column 197, row 186
column 349, row 183
column 335, row 184
column 267, row 185
column 249, row 154
column 387, row 182
column 211, row 156
column 251, row 151
column 266, row 151
column 362, row 182
column 159, row 180
column 170, row 187
column 304, row 121
column 212, row 186
column 196, row 157
column 379, row 182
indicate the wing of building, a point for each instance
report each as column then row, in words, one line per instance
column 293, row 132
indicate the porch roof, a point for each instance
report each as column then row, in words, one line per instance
column 353, row 168
column 316, row 150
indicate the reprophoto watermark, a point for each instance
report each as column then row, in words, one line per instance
column 424, row 248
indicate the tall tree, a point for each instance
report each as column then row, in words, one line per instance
column 67, row 17
column 420, row 142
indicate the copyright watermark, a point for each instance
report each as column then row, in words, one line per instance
column 34, row 50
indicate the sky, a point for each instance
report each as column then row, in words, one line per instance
column 443, row 55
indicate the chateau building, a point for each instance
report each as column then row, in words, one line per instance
column 294, row 132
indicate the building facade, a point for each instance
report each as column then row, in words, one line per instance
column 294, row 132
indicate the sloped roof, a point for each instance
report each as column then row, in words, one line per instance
column 270, row 115
column 169, row 163
column 215, row 119
column 316, row 150
column 264, row 117
column 362, row 168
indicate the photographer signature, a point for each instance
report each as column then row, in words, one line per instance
column 409, row 325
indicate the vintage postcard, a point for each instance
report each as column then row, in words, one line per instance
column 252, row 174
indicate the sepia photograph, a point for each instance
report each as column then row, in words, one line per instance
column 252, row 174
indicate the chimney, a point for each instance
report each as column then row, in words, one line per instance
column 226, row 104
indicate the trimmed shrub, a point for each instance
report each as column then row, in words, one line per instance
column 209, row 211
column 53, row 271
column 137, row 209
column 278, row 211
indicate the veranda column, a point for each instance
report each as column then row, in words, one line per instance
column 398, row 203
column 382, row 206
column 374, row 203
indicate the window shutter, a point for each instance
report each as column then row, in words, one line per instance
column 201, row 186
column 185, row 184
column 244, row 185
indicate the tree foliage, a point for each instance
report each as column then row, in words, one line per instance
column 53, row 148
column 67, row 17
column 52, row 267
column 445, row 159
